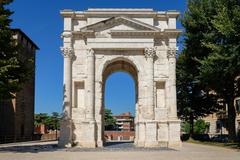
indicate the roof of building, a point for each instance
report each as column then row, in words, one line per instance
column 126, row 114
column 23, row 34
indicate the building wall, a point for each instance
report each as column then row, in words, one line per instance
column 119, row 135
column 17, row 115
column 218, row 121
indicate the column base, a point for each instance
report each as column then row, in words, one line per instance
column 99, row 143
column 175, row 145
column 152, row 144
column 87, row 144
column 139, row 143
column 65, row 139
column 85, row 134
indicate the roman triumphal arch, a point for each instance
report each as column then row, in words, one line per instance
column 98, row 42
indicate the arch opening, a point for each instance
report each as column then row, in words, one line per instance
column 124, row 129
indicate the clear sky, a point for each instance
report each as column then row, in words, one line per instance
column 41, row 21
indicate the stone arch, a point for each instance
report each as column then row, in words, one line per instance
column 116, row 65
column 138, row 67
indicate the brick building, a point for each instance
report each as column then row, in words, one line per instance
column 124, row 122
column 17, row 115
column 124, row 129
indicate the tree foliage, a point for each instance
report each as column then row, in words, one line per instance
column 212, row 50
column 109, row 121
column 50, row 121
column 194, row 99
column 13, row 70
column 200, row 127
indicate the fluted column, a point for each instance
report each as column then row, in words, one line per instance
column 67, row 80
column 90, row 84
column 66, row 123
column 150, row 54
column 172, row 101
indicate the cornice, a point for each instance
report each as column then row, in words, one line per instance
column 172, row 32
column 113, row 12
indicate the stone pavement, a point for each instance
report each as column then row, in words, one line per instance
column 117, row 151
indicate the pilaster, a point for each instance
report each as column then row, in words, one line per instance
column 90, row 85
column 172, row 97
column 150, row 54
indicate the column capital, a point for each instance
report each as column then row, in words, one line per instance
column 90, row 52
column 150, row 52
column 67, row 52
column 171, row 53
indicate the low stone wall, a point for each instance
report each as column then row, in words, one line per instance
column 119, row 135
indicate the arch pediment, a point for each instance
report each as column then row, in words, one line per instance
column 120, row 24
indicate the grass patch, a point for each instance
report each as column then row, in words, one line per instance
column 231, row 145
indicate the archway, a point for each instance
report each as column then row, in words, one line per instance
column 94, row 48
column 120, row 132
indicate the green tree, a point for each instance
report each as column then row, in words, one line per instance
column 13, row 71
column 109, row 121
column 221, row 69
column 54, row 121
column 194, row 100
column 50, row 121
column 41, row 118
column 212, row 45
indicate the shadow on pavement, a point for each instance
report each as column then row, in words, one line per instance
column 119, row 144
column 109, row 146
column 31, row 148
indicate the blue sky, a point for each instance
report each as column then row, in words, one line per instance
column 41, row 21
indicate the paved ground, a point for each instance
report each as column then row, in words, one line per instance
column 117, row 151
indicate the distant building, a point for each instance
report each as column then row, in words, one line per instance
column 218, row 121
column 124, row 122
column 17, row 115
column 124, row 129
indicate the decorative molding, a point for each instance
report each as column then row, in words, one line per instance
column 171, row 53
column 150, row 52
column 66, row 34
column 67, row 52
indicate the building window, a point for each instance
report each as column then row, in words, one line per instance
column 238, row 105
column 218, row 126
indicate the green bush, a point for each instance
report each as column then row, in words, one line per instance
column 199, row 127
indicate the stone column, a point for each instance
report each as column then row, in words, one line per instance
column 90, row 126
column 172, row 83
column 150, row 54
column 90, row 85
column 66, row 123
column 150, row 125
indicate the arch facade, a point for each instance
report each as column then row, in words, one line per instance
column 98, row 42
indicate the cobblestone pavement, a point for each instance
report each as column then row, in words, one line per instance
column 113, row 151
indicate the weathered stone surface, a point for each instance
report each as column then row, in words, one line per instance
column 98, row 42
